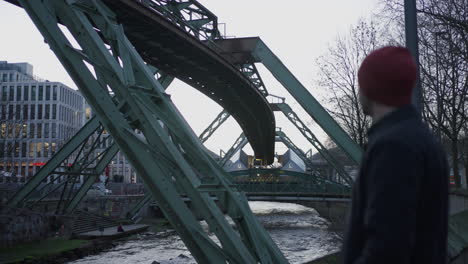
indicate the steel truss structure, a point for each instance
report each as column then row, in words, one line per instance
column 125, row 96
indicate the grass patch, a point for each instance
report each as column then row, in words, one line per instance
column 33, row 250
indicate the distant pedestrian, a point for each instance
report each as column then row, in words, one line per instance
column 400, row 198
column 120, row 228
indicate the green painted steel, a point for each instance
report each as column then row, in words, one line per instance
column 90, row 180
column 264, row 55
column 239, row 144
column 142, row 104
column 250, row 70
column 307, row 133
column 134, row 211
column 190, row 16
column 285, row 181
column 219, row 120
column 83, row 134
column 286, row 141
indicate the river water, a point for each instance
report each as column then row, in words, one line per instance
column 299, row 231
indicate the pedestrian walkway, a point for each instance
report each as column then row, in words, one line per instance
column 111, row 232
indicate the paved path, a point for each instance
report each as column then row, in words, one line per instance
column 112, row 232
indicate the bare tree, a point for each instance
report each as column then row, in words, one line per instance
column 443, row 45
column 338, row 75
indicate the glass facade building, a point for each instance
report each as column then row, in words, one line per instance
column 36, row 118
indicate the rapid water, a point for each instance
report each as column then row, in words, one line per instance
column 299, row 232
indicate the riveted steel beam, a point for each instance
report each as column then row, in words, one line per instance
column 307, row 133
column 83, row 134
column 144, row 106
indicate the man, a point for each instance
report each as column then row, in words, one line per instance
column 400, row 198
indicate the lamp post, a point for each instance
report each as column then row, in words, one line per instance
column 411, row 34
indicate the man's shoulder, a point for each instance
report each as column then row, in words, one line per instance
column 409, row 134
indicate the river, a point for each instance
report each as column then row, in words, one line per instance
column 299, row 231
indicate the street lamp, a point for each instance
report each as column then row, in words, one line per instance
column 411, row 34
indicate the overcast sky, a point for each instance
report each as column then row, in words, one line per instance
column 297, row 31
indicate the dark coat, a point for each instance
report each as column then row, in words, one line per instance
column 400, row 198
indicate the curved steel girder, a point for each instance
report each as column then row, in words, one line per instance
column 164, row 45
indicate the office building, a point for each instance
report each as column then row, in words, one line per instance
column 36, row 118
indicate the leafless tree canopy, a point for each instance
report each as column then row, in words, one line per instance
column 338, row 76
column 443, row 47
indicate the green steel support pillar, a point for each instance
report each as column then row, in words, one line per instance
column 219, row 120
column 83, row 134
column 240, row 143
column 286, row 141
column 143, row 105
column 134, row 211
column 307, row 133
column 101, row 165
column 264, row 55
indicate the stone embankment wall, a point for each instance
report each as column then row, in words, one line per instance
column 20, row 225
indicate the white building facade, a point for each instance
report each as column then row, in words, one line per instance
column 36, row 118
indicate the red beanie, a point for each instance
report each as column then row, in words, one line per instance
column 388, row 75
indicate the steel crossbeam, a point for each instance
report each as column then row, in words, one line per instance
column 142, row 104
column 239, row 144
column 66, row 151
column 287, row 141
column 254, row 50
column 307, row 133
column 217, row 122
column 264, row 55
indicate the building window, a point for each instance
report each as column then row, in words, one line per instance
column 32, row 127
column 4, row 110
column 18, row 93
column 33, row 93
column 26, row 93
column 18, row 130
column 54, row 130
column 39, row 131
column 47, row 111
column 4, row 93
column 12, row 93
column 39, row 111
column 46, row 149
column 23, row 150
column 32, row 149
column 54, row 93
column 33, row 112
column 24, row 130
column 25, row 112
column 3, row 130
column 30, row 170
column 54, row 111
column 46, row 130
column 10, row 130
column 47, row 95
column 17, row 149
column 39, row 149
column 5, row 77
column 9, row 151
column 10, row 112
column 18, row 112
column 53, row 147
column 41, row 93
column 2, row 149
column 88, row 113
